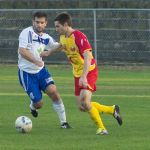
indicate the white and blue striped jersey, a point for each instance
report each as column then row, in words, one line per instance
column 35, row 44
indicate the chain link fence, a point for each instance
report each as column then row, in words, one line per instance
column 118, row 36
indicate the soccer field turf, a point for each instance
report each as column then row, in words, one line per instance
column 128, row 87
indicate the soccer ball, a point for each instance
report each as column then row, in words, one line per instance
column 23, row 124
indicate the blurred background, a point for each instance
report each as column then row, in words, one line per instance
column 118, row 30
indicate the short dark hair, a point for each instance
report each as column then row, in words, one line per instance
column 40, row 14
column 63, row 18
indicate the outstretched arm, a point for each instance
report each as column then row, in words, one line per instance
column 58, row 47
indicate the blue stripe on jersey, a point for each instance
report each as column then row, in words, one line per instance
column 41, row 40
column 30, row 37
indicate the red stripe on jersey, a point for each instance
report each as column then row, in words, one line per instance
column 81, row 42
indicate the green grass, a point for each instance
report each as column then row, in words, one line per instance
column 129, row 87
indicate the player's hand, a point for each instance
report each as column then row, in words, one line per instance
column 83, row 82
column 62, row 48
column 39, row 63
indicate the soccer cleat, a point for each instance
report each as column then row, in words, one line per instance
column 34, row 113
column 65, row 125
column 116, row 114
column 101, row 131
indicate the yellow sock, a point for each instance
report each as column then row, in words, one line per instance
column 94, row 114
column 103, row 108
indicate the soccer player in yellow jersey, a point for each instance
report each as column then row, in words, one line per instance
column 85, row 71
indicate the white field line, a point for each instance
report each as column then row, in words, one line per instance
column 71, row 95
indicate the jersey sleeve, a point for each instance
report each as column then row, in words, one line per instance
column 25, row 38
column 52, row 44
column 82, row 42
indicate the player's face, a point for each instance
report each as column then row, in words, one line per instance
column 39, row 24
column 61, row 29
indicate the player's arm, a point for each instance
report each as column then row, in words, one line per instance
column 87, row 62
column 25, row 53
column 24, row 46
column 85, row 49
column 57, row 47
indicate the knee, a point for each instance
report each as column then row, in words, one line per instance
column 53, row 93
column 52, row 89
column 84, row 107
column 38, row 105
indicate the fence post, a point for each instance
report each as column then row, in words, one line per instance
column 95, row 35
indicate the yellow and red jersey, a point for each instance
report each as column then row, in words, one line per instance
column 75, row 45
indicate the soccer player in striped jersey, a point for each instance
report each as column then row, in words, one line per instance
column 78, row 50
column 33, row 75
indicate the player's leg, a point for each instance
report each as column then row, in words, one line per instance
column 84, row 100
column 113, row 110
column 30, row 84
column 84, row 103
column 48, row 86
column 57, row 104
column 92, row 77
column 103, row 108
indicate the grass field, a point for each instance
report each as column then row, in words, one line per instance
column 129, row 87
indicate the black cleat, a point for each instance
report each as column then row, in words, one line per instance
column 117, row 115
column 34, row 113
column 65, row 125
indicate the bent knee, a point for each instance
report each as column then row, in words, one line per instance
column 53, row 93
column 38, row 105
column 51, row 89
column 82, row 109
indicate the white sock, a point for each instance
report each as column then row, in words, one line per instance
column 60, row 109
column 32, row 106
